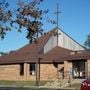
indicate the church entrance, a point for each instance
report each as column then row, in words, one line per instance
column 79, row 69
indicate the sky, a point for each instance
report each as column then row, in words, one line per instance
column 74, row 19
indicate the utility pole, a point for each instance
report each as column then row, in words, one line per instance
column 37, row 66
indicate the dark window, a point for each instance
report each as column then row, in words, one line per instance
column 32, row 68
column 21, row 69
column 78, row 69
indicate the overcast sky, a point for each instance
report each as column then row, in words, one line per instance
column 74, row 20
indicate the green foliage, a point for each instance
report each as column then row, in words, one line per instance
column 2, row 53
column 87, row 42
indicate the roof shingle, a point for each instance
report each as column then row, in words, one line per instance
column 28, row 53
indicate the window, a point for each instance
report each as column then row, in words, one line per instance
column 79, row 69
column 32, row 68
column 22, row 69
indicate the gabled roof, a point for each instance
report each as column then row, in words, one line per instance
column 71, row 38
column 78, row 55
column 28, row 53
column 59, row 54
column 55, row 54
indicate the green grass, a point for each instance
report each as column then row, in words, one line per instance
column 21, row 83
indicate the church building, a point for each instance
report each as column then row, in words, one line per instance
column 58, row 56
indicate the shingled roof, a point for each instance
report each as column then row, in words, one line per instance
column 55, row 54
column 59, row 54
column 78, row 55
column 28, row 53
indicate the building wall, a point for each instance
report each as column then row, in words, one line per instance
column 9, row 72
column 67, row 66
column 48, row 72
column 63, row 40
column 66, row 41
column 88, row 64
column 61, row 71
column 27, row 75
column 52, row 42
column 67, row 69
column 12, row 72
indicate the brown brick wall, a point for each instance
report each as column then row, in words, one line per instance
column 9, row 72
column 67, row 66
column 27, row 75
column 60, row 70
column 67, row 69
column 48, row 72
column 88, row 64
column 12, row 72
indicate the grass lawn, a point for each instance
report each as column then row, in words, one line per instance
column 19, row 85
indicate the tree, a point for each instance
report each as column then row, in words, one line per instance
column 2, row 53
column 5, row 18
column 87, row 42
column 26, row 15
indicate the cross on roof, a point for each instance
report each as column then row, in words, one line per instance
column 57, row 13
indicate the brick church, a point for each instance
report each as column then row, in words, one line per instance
column 58, row 55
